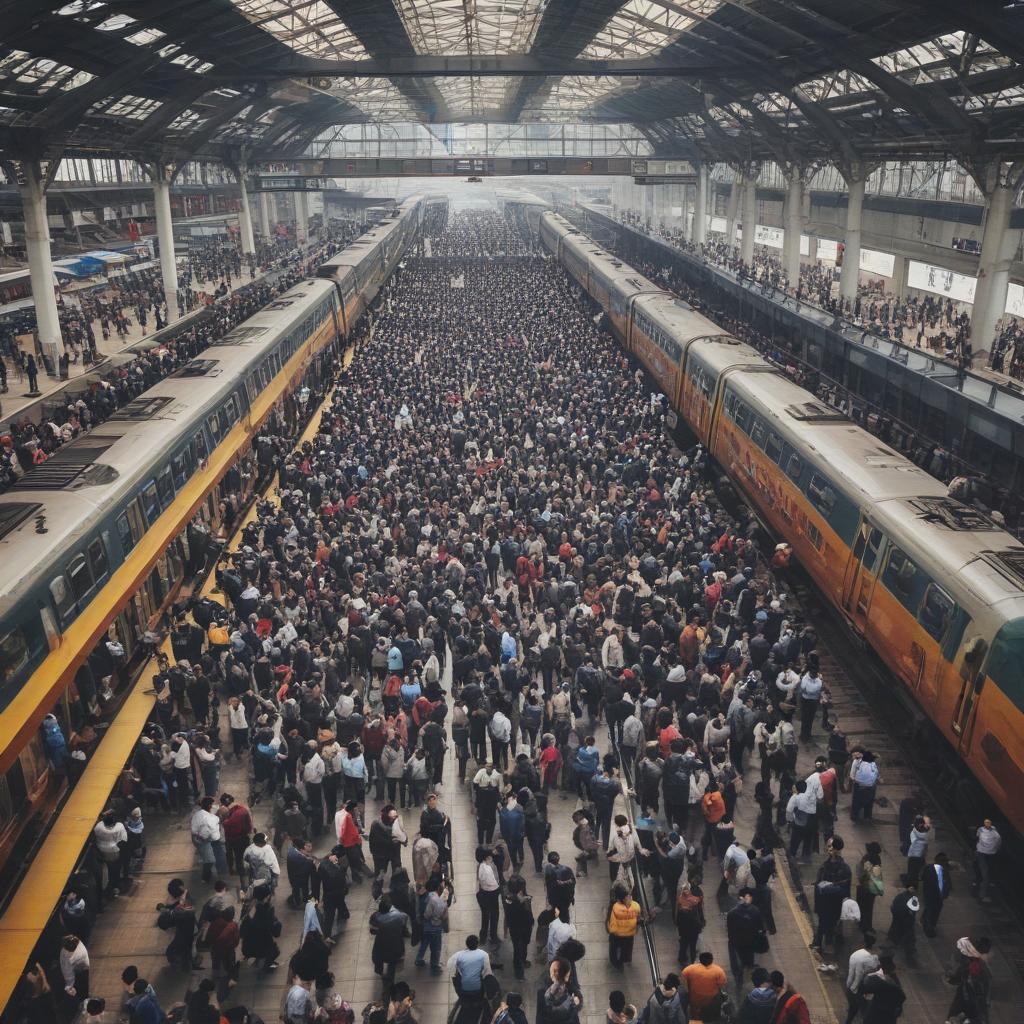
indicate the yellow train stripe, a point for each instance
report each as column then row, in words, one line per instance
column 35, row 699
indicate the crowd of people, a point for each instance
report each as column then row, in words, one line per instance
column 29, row 443
column 492, row 585
column 925, row 321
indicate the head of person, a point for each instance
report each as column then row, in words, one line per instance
column 778, row 981
column 472, row 941
column 707, row 958
column 560, row 970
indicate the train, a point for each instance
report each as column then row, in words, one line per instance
column 935, row 587
column 94, row 541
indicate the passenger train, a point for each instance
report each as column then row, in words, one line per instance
column 95, row 537
column 934, row 586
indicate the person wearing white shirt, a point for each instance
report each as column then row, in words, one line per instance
column 239, row 726
column 786, row 683
column 862, row 962
column 313, row 772
column 501, row 733
column 111, row 838
column 183, row 778
column 558, row 932
column 988, row 844
column 74, row 968
column 487, row 895
column 208, row 839
column 261, row 861
column 810, row 689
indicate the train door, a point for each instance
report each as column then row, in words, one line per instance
column 860, row 573
column 966, row 708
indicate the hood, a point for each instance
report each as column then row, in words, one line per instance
column 761, row 996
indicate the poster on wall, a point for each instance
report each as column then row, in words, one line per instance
column 805, row 245
column 940, row 281
column 874, row 262
column 827, row 249
column 1015, row 300
column 772, row 237
column 718, row 224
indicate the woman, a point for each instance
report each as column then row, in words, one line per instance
column 222, row 937
column 392, row 761
column 623, row 921
column 559, row 1004
column 488, row 883
column 973, row 980
column 869, row 885
column 353, row 767
column 350, row 836
column 688, row 914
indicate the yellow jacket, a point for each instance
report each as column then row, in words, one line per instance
column 623, row 920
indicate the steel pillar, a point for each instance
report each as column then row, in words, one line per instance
column 849, row 276
column 700, row 207
column 40, row 261
column 993, row 270
column 245, row 218
column 749, row 220
column 794, row 228
column 165, row 240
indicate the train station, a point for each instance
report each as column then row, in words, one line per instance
column 511, row 512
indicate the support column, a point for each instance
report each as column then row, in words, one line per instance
column 794, row 227
column 265, row 214
column 700, row 207
column 993, row 266
column 301, row 219
column 165, row 241
column 40, row 261
column 245, row 217
column 749, row 220
column 849, row 276
column 732, row 208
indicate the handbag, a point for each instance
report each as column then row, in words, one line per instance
column 761, row 942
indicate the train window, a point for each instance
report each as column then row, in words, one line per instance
column 201, row 448
column 63, row 600
column 14, row 783
column 743, row 416
column 224, row 420
column 936, row 611
column 773, row 447
column 822, row 496
column 124, row 533
column 794, row 467
column 730, row 404
column 150, row 503
column 814, row 535
column 98, row 559
column 14, row 654
column 165, row 488
column 900, row 571
column 181, row 469
column 757, row 433
column 80, row 576
column 212, row 426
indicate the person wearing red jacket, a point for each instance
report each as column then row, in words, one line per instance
column 236, row 821
column 790, row 1006
column 374, row 735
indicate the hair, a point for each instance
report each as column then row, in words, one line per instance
column 472, row 941
column 95, row 1006
column 513, row 1000
column 384, row 905
column 620, row 820
column 400, row 990
column 563, row 969
column 206, row 803
column 869, row 940
column 707, row 958
column 140, row 986
column 129, row 974
column 617, row 1001
column 778, row 979
column 670, row 981
column 70, row 942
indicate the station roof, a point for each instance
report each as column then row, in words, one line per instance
column 739, row 80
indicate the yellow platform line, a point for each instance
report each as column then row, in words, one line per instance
column 36, row 898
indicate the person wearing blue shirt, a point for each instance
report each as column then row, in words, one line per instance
column 396, row 663
column 469, row 967
column 410, row 691
column 353, row 769
column 143, row 1007
column 512, row 822
column 586, row 764
column 603, row 791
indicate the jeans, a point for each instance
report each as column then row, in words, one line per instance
column 862, row 801
column 432, row 939
column 808, row 709
column 983, row 872
column 620, row 950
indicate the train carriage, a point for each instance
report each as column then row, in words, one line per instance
column 935, row 587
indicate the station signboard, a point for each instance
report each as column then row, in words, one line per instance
column 287, row 183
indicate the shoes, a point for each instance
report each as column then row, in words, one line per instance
column 420, row 963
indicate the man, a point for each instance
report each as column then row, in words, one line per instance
column 986, row 847
column 603, row 791
column 261, row 862
column 500, row 729
column 390, row 927
column 935, row 887
column 332, row 874
column 486, row 796
column 759, row 1005
column 666, row 1002
column 903, row 928
column 435, row 924
column 704, row 981
column 886, row 992
column 560, row 885
column 143, row 1007
column 468, row 968
column 790, row 1006
column 863, row 961
column 831, row 887
column 300, row 865
column 236, row 823
column 744, row 926
column 299, row 1005
column 864, row 777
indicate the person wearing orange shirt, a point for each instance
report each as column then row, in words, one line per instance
column 705, row 982
column 713, row 806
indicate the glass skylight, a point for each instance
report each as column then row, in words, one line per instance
column 642, row 27
column 309, row 27
column 471, row 26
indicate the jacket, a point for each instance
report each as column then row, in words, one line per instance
column 758, row 1007
column 743, row 924
column 665, row 1009
column 623, row 920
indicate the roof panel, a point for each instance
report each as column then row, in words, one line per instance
column 309, row 27
column 643, row 27
column 448, row 27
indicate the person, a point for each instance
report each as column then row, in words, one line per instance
column 468, row 968
column 400, row 1009
column 863, row 961
column 223, row 938
column 936, row 885
column 903, row 927
column 705, row 985
column 488, row 895
column 622, row 924
column 390, row 928
column 832, row 886
column 864, row 777
column 917, row 848
column 299, row 1005
column 38, row 1001
column 790, row 1006
column 74, row 969
column 143, row 1006
column 758, row 1006
column 810, row 691
column 690, row 921
column 111, row 839
column 510, row 1010
column 332, row 879
column 32, row 372
column 300, row 864
column 261, row 862
column 236, row 824
column 434, row 924
column 623, row 850
column 666, row 1004
column 559, row 933
column 560, row 1002
column 988, row 842
column 260, row 929
column 519, row 920
column 870, row 884
column 972, row 977
column 884, row 993
column 746, row 933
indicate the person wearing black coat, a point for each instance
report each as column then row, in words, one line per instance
column 332, row 877
column 936, row 885
column 745, row 928
column 519, row 920
column 886, row 992
column 390, row 928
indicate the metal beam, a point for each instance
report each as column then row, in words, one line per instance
column 504, row 65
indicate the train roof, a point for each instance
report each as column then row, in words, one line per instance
column 355, row 252
column 97, row 471
column 685, row 323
